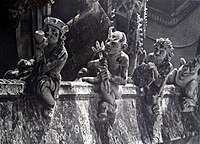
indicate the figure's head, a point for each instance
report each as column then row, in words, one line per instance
column 163, row 48
column 56, row 29
column 53, row 34
column 190, row 68
column 115, row 42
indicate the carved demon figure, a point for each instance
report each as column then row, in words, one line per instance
column 152, row 74
column 50, row 57
column 186, row 77
column 112, row 68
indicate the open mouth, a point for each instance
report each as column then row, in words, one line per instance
column 184, row 74
column 51, row 37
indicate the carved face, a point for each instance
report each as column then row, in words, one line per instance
column 183, row 72
column 159, row 51
column 114, row 42
column 53, row 35
column 189, row 69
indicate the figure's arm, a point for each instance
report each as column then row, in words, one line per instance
column 60, row 58
column 92, row 80
column 149, row 58
column 163, row 75
column 39, row 55
column 118, row 80
column 191, row 92
column 172, row 76
column 41, row 44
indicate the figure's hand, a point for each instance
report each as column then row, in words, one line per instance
column 103, row 62
column 182, row 61
column 107, row 85
column 105, row 74
column 98, row 48
column 43, row 44
column 152, row 65
column 41, row 40
column 155, row 70
column 188, row 103
column 39, row 36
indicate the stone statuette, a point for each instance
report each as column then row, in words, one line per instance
column 112, row 68
column 153, row 72
column 50, row 58
column 186, row 77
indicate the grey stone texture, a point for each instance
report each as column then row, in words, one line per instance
column 75, row 121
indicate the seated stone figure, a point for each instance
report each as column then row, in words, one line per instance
column 152, row 74
column 112, row 68
column 50, row 58
column 186, row 77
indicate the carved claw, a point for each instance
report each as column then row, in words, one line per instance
column 188, row 105
column 99, row 47
column 182, row 61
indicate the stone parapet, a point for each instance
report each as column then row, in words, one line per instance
column 75, row 117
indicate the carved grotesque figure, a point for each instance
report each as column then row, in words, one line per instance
column 50, row 57
column 186, row 77
column 113, row 70
column 152, row 74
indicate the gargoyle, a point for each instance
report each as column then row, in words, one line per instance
column 186, row 77
column 112, row 68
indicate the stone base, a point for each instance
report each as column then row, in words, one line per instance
column 75, row 119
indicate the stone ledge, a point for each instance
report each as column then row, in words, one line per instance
column 11, row 87
column 133, row 122
column 16, row 87
column 83, row 89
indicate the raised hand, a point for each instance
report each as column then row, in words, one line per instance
column 99, row 48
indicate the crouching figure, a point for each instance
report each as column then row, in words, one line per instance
column 112, row 67
column 50, row 58
column 186, row 77
column 153, row 73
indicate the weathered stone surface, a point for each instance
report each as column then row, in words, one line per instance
column 86, row 28
column 11, row 87
column 178, row 124
column 75, row 119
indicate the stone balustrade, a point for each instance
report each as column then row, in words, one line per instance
column 75, row 117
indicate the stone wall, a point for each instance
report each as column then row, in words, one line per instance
column 75, row 121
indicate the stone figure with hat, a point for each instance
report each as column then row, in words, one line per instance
column 50, row 58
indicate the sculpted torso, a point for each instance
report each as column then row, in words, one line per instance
column 117, row 64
